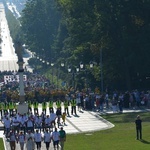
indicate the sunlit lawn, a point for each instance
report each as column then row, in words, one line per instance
column 121, row 137
column 1, row 144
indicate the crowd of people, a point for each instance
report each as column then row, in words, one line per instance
column 39, row 91
column 33, row 127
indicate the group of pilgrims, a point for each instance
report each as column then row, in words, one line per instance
column 49, row 120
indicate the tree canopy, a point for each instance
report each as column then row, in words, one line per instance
column 78, row 31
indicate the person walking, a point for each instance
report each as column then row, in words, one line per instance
column 138, row 123
column 62, row 136
column 63, row 116
column 30, row 141
column 55, row 138
column 38, row 139
column 21, row 140
column 12, row 139
column 7, row 125
column 47, row 139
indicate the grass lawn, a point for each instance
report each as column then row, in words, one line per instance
column 1, row 144
column 121, row 137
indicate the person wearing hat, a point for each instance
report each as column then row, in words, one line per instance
column 47, row 139
column 138, row 123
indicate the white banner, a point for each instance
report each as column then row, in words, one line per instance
column 12, row 78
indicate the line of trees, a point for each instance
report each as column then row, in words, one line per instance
column 76, row 31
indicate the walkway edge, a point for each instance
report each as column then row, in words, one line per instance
column 4, row 143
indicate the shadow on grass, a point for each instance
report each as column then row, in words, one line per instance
column 127, row 117
column 145, row 142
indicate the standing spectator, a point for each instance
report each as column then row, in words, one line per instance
column 51, row 109
column 55, row 138
column 114, row 105
column 21, row 139
column 58, row 104
column 107, row 100
column 120, row 102
column 62, row 138
column 78, row 102
column 126, row 99
column 38, row 139
column 97, row 102
column 137, row 98
column 11, row 105
column 47, row 139
column 44, row 106
column 66, row 104
column 102, row 99
column 138, row 123
column 29, row 106
column 73, row 106
column 35, row 106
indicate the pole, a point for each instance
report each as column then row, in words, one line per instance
column 101, row 70
column 22, row 107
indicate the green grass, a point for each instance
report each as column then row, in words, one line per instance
column 121, row 137
column 1, row 144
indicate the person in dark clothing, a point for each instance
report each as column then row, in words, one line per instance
column 138, row 123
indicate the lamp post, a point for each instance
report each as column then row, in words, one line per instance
column 85, row 69
column 73, row 71
column 22, row 107
column 101, row 70
column 52, row 64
